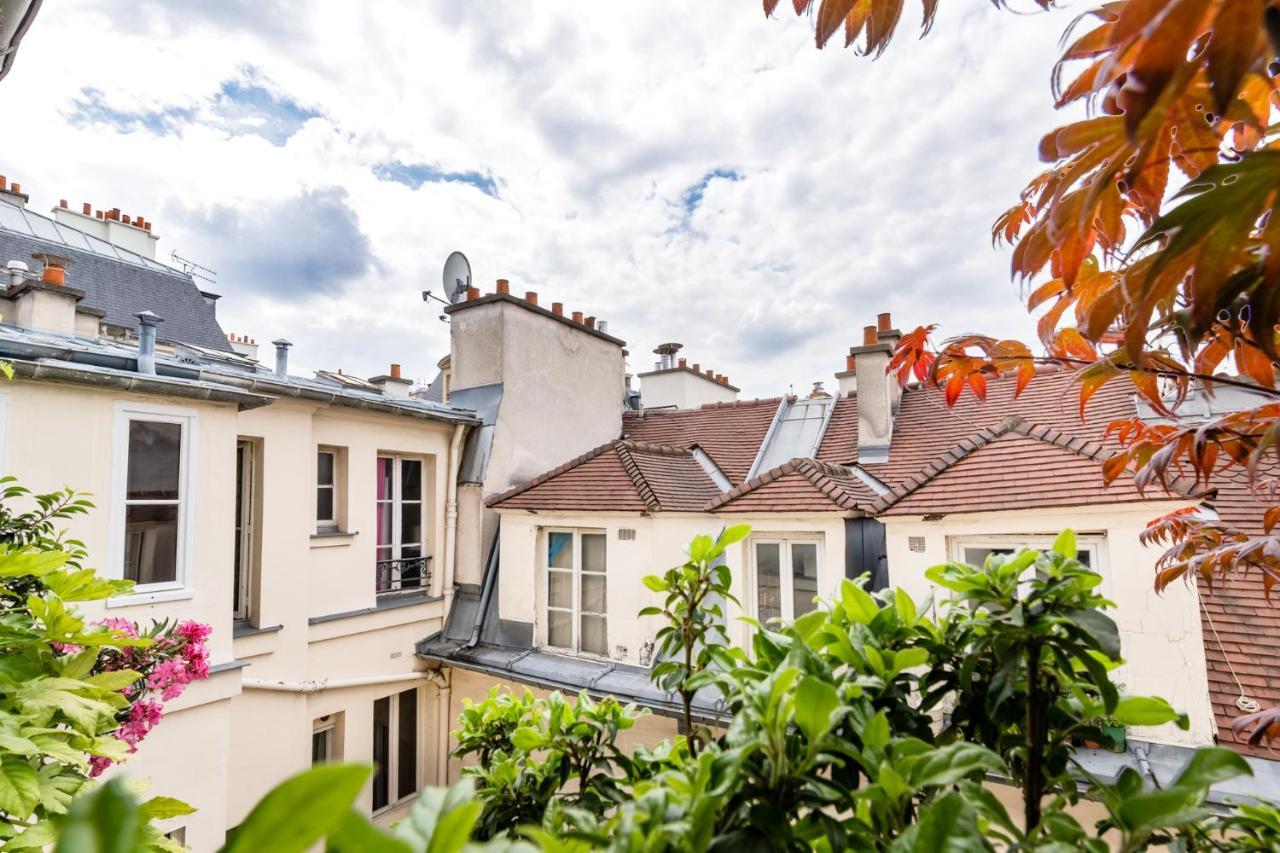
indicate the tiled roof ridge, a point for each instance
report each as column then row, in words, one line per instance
column 654, row 449
column 733, row 404
column 817, row 473
column 624, row 449
column 554, row 472
column 976, row 441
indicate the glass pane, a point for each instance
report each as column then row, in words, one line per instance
column 384, row 478
column 407, row 745
column 381, row 752
column 320, row 746
column 155, row 451
column 324, row 468
column 593, row 552
column 593, row 635
column 804, row 577
column 559, row 589
column 324, row 503
column 411, row 480
column 978, row 556
column 411, row 522
column 560, row 550
column 384, row 524
column 151, row 543
column 768, row 587
column 593, row 593
column 560, row 628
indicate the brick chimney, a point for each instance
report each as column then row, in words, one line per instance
column 887, row 334
column 12, row 193
column 392, row 383
column 875, row 399
column 47, row 302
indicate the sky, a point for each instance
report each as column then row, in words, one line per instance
column 687, row 171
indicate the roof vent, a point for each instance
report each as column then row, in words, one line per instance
column 147, row 322
column 282, row 357
column 667, row 354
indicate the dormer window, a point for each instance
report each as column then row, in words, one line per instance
column 785, row 572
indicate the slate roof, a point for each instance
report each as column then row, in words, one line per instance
column 115, row 280
column 800, row 485
column 619, row 475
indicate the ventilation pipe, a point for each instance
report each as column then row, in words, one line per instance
column 147, row 322
column 17, row 272
column 282, row 357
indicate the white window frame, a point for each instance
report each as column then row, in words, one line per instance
column 576, row 611
column 327, row 525
column 397, row 503
column 328, row 725
column 393, row 753
column 1094, row 543
column 183, row 584
column 247, row 531
column 784, row 541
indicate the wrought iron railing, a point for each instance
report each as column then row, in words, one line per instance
column 409, row 573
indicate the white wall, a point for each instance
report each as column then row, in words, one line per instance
column 681, row 388
column 1160, row 634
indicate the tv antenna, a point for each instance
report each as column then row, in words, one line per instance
column 193, row 269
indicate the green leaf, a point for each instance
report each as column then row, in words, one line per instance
column 104, row 820
column 951, row 763
column 1065, row 544
column 1211, row 765
column 19, row 788
column 875, row 734
column 815, row 700
column 356, row 834
column 734, row 533
column 655, row 583
column 1101, row 627
column 1144, row 711
column 15, row 564
column 528, row 739
column 301, row 810
column 114, row 680
column 946, row 824
column 164, row 808
column 441, row 819
column 905, row 606
column 858, row 605
column 1160, row 809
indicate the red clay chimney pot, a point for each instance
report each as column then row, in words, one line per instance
column 590, row 322
column 147, row 227
column 125, row 219
column 473, row 293
column 531, row 296
column 869, row 336
column 395, row 371
column 684, row 362
column 577, row 316
column 557, row 308
column 4, row 182
column 62, row 203
column 16, row 187
column 504, row 286
column 697, row 368
column 850, row 362
column 87, row 210
column 884, row 322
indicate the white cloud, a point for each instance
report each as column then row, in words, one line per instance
column 860, row 186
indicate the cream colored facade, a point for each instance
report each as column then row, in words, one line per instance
column 315, row 622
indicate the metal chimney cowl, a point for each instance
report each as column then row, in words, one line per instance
column 147, row 323
column 282, row 357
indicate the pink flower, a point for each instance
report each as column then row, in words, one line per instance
column 194, row 632
column 124, row 626
column 97, row 764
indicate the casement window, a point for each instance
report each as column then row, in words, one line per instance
column 576, row 592
column 325, row 733
column 153, row 519
column 785, row 574
column 975, row 550
column 395, row 748
column 326, row 489
column 402, row 562
column 246, row 551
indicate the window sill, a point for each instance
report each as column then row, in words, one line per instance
column 332, row 538
column 151, row 597
column 386, row 601
column 241, row 628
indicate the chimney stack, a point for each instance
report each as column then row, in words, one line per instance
column 887, row 334
column 147, row 322
column 282, row 357
column 875, row 399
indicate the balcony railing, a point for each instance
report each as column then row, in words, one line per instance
column 410, row 573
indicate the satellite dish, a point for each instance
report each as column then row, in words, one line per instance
column 457, row 277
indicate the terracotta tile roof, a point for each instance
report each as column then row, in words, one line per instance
column 800, row 485
column 620, row 475
column 730, row 433
column 1247, row 625
column 1015, row 465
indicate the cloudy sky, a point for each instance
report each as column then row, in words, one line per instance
column 689, row 171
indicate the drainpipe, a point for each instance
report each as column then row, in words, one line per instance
column 282, row 357
column 322, row 684
column 440, row 678
column 451, row 515
column 147, row 322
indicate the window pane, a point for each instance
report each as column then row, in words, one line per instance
column 411, row 522
column 593, row 552
column 155, row 451
column 593, row 593
column 324, row 504
column 768, row 587
column 384, row 524
column 151, row 544
column 384, row 478
column 407, row 745
column 381, row 752
column 804, row 577
column 411, row 479
column 560, row 628
column 560, row 550
column 559, row 589
column 593, row 635
column 324, row 468
column 978, row 556
column 320, row 746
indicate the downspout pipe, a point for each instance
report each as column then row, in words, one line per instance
column 440, row 678
column 147, row 322
column 322, row 684
column 451, row 514
column 487, row 586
